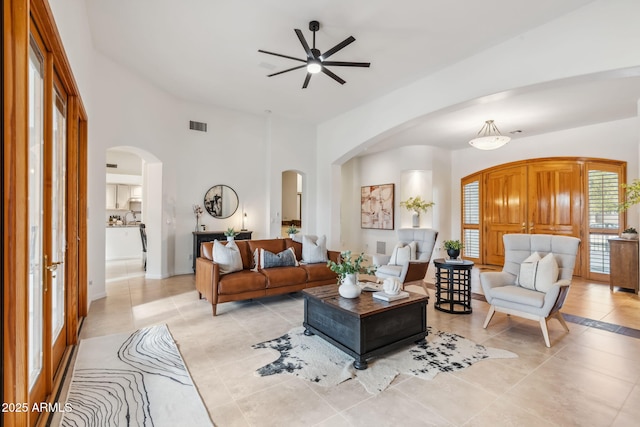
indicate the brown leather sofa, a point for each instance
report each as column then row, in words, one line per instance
column 249, row 284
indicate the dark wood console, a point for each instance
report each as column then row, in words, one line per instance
column 209, row 236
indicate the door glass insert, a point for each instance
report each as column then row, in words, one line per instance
column 35, row 212
column 58, row 215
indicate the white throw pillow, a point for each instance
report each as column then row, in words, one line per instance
column 401, row 254
column 227, row 257
column 527, row 276
column 314, row 250
column 414, row 250
column 547, row 273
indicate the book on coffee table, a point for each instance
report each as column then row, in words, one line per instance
column 386, row 297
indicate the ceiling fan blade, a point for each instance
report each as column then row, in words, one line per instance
column 290, row 69
column 281, row 55
column 333, row 76
column 306, row 81
column 305, row 45
column 346, row 64
column 337, row 47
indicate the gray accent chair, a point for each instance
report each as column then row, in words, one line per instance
column 505, row 296
column 412, row 271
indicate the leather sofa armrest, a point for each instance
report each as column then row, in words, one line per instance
column 333, row 255
column 207, row 277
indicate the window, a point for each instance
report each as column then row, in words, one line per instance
column 471, row 217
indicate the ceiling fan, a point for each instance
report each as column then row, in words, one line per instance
column 316, row 61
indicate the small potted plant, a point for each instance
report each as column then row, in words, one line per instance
column 630, row 233
column 417, row 205
column 453, row 248
column 230, row 233
column 347, row 268
column 292, row 231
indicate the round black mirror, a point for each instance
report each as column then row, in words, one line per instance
column 221, row 201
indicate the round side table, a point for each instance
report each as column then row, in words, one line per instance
column 453, row 286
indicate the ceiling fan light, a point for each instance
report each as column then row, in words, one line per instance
column 489, row 137
column 313, row 66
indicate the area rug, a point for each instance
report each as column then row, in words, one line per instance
column 133, row 379
column 316, row 360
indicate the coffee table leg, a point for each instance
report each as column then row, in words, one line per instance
column 308, row 333
column 360, row 364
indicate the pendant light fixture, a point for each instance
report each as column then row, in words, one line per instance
column 489, row 137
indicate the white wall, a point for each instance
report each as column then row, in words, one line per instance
column 601, row 37
column 616, row 140
column 389, row 168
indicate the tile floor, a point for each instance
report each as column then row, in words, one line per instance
column 589, row 377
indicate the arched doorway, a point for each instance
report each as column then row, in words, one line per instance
column 134, row 197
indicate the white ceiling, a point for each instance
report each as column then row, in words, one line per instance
column 206, row 51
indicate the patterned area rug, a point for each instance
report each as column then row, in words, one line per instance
column 315, row 359
column 133, row 379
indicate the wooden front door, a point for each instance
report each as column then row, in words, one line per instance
column 555, row 200
column 505, row 209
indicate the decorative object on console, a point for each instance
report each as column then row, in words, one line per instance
column 417, row 205
column 197, row 211
column 221, row 201
column 489, row 137
column 377, row 206
column 244, row 222
column 453, row 248
column 292, row 231
column 630, row 233
column 231, row 234
column 317, row 61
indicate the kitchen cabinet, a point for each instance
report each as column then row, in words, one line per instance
column 136, row 192
column 118, row 196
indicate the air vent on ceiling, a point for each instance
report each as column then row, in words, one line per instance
column 197, row 126
column 112, row 165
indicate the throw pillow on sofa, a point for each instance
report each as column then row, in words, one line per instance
column 227, row 257
column 314, row 250
column 265, row 259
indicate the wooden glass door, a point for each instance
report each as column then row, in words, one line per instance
column 505, row 209
column 57, row 251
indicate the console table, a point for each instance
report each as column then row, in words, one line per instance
column 453, row 286
column 623, row 267
column 209, row 236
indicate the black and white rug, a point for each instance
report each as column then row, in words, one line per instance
column 133, row 379
column 313, row 358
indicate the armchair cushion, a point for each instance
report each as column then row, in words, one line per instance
column 538, row 274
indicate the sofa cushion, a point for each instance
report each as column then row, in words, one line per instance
column 284, row 276
column 227, row 257
column 314, row 250
column 265, row 259
column 319, row 272
column 241, row 281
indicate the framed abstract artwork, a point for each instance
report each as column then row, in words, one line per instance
column 377, row 206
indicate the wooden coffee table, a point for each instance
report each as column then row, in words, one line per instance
column 364, row 327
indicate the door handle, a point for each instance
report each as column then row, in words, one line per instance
column 54, row 265
column 524, row 226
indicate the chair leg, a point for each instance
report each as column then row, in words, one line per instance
column 545, row 332
column 558, row 316
column 490, row 314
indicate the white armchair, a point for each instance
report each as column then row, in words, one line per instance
column 506, row 296
column 411, row 270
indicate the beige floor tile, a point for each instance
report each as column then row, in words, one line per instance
column 291, row 403
column 588, row 376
